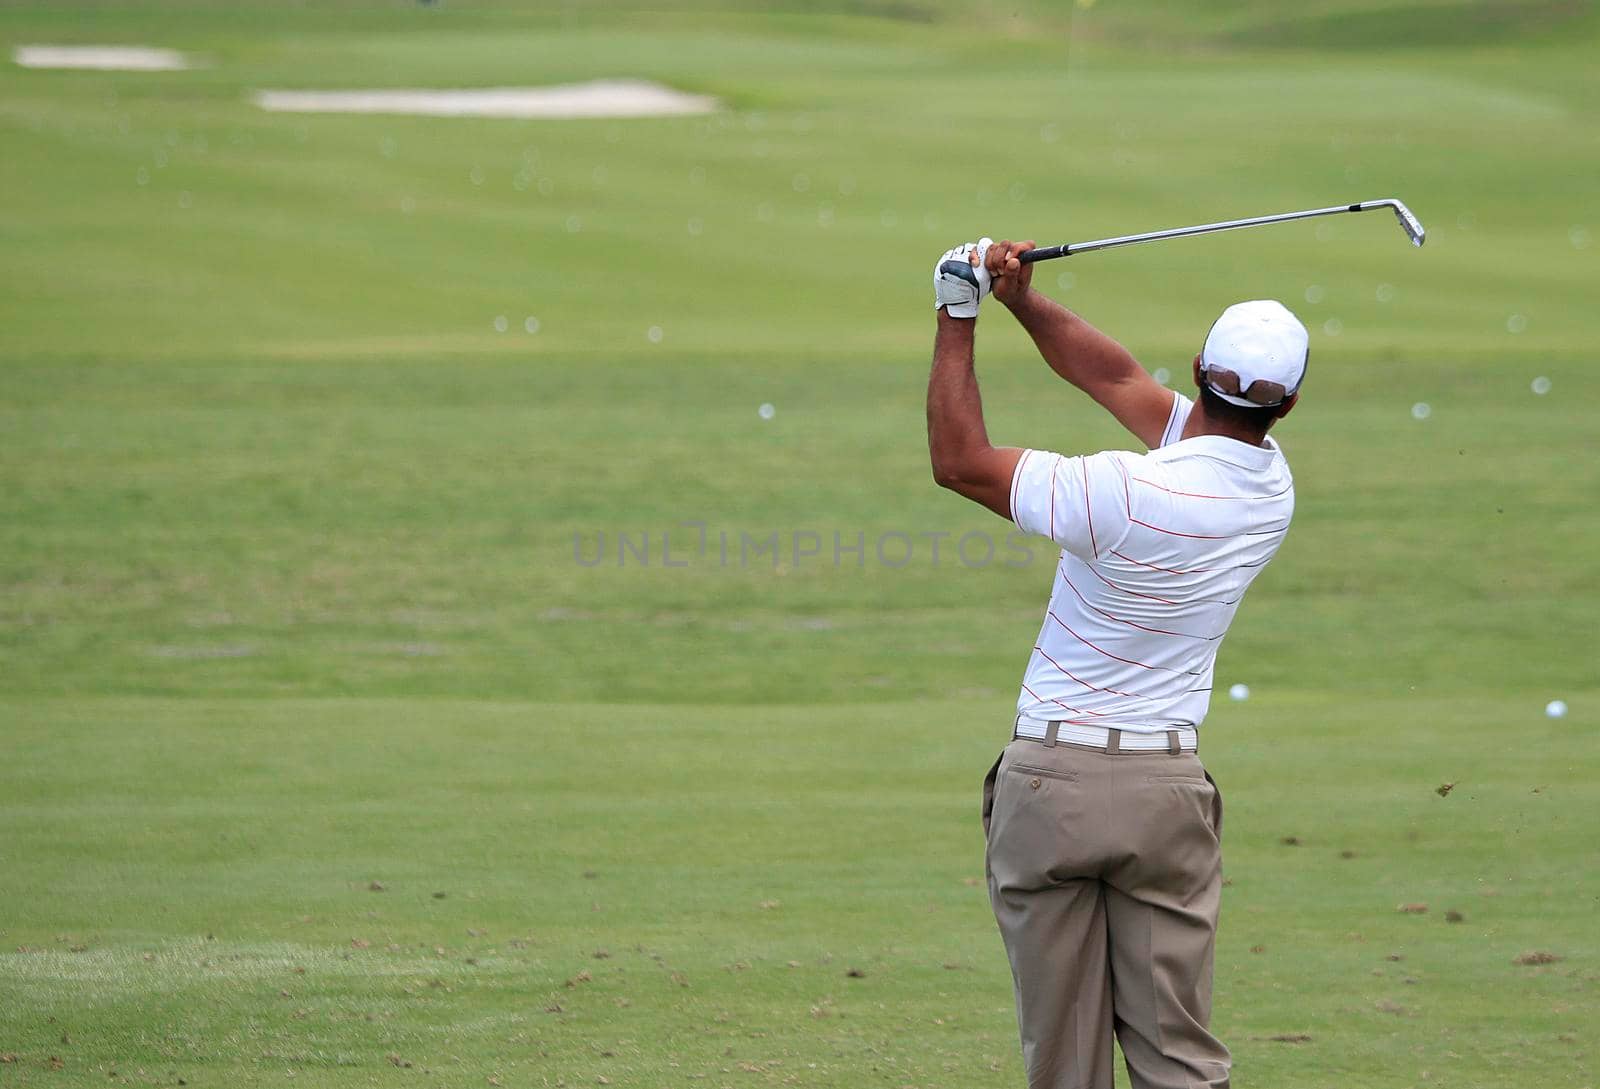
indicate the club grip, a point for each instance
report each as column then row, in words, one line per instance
column 1043, row 253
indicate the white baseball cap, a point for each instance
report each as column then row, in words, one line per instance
column 1255, row 354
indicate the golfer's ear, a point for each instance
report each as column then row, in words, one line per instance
column 1197, row 382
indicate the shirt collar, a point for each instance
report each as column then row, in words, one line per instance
column 1222, row 448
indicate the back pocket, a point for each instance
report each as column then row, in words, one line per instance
column 1047, row 773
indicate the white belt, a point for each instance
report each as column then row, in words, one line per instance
column 1107, row 740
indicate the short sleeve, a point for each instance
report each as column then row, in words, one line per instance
column 1078, row 502
column 1181, row 407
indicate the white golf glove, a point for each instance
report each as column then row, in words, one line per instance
column 958, row 285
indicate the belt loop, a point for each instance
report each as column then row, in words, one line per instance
column 1113, row 742
column 1050, row 732
column 1172, row 743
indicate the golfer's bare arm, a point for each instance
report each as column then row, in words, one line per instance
column 1080, row 353
column 958, row 442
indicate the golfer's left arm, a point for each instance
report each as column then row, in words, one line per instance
column 958, row 442
column 1079, row 352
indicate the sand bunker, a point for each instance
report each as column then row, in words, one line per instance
column 107, row 58
column 601, row 98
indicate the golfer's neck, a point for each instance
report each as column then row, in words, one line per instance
column 1200, row 423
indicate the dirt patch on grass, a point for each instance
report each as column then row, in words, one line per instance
column 1536, row 957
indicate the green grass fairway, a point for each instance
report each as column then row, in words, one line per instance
column 576, row 891
column 421, row 664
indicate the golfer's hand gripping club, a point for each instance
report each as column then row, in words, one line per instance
column 1009, row 275
column 961, row 279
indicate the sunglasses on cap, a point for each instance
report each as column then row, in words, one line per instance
column 1262, row 393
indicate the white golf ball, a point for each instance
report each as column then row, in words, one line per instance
column 1555, row 709
column 654, row 334
column 1162, row 375
column 500, row 324
column 1541, row 385
column 1516, row 323
column 766, row 411
column 1421, row 411
column 1239, row 692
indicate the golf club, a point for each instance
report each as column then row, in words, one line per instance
column 1408, row 223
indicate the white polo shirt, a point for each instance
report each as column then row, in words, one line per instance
column 1157, row 551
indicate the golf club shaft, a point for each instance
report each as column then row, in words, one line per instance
column 1067, row 249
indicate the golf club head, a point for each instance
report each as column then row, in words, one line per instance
column 1408, row 222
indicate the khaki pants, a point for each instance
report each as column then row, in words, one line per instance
column 1105, row 872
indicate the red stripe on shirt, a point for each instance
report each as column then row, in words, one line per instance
column 1117, row 657
column 1124, row 589
column 1016, row 477
column 1058, row 703
column 1176, row 533
column 1094, row 549
column 1203, row 495
column 1130, row 623
column 1055, row 465
column 1152, row 597
column 1092, row 687
column 1168, row 570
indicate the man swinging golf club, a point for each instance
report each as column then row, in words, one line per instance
column 1103, row 828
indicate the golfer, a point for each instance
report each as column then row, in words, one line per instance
column 1103, row 828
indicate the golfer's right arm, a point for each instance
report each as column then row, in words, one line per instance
column 1079, row 352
